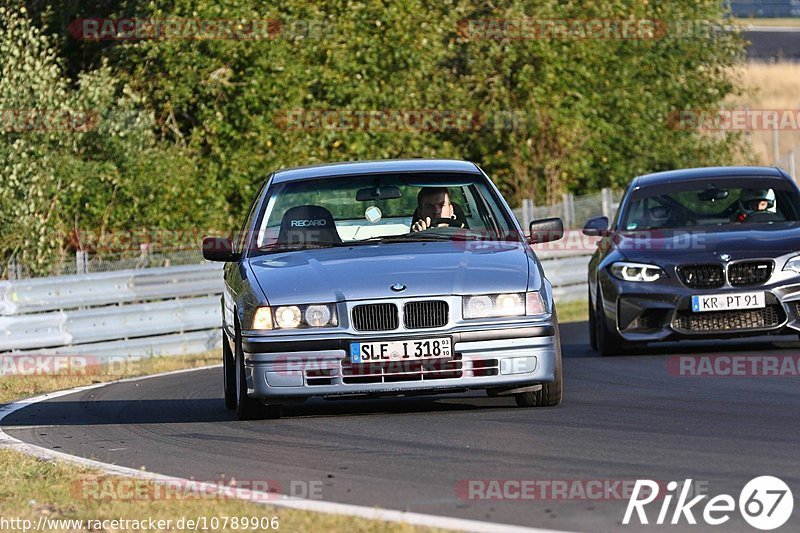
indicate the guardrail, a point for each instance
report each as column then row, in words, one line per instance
column 143, row 312
column 155, row 311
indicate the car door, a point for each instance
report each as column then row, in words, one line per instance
column 238, row 278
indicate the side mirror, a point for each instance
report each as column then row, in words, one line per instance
column 546, row 230
column 596, row 227
column 219, row 249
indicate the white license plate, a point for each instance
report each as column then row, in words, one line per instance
column 727, row 302
column 368, row 352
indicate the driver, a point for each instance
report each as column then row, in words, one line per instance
column 753, row 201
column 432, row 203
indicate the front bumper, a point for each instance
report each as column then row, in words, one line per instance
column 649, row 312
column 303, row 366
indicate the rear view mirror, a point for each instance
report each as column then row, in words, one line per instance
column 546, row 230
column 219, row 249
column 712, row 194
column 596, row 227
column 387, row 192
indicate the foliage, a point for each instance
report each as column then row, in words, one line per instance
column 556, row 114
column 80, row 159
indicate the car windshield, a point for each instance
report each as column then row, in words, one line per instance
column 380, row 209
column 726, row 202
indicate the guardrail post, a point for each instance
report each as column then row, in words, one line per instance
column 607, row 201
column 145, row 251
column 81, row 262
column 527, row 212
column 569, row 209
column 14, row 271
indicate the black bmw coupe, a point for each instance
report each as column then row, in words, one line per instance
column 696, row 254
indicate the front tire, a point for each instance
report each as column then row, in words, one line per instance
column 608, row 342
column 248, row 408
column 550, row 394
column 228, row 373
column 592, row 325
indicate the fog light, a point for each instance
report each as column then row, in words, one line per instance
column 517, row 365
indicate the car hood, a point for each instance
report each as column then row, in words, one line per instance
column 676, row 246
column 367, row 272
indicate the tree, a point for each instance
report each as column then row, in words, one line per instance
column 79, row 162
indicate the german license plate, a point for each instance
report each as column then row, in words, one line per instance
column 368, row 352
column 728, row 302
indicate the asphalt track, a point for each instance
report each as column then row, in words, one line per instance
column 622, row 418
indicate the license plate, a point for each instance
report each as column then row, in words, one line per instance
column 727, row 302
column 368, row 352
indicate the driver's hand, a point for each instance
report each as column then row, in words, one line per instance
column 421, row 224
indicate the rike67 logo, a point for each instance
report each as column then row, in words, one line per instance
column 765, row 503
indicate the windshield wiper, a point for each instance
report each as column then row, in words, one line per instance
column 289, row 247
column 405, row 237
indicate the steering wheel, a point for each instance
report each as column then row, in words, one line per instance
column 451, row 222
column 763, row 216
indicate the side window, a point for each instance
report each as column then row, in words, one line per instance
column 635, row 217
column 241, row 239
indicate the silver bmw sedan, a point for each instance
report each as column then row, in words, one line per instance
column 385, row 278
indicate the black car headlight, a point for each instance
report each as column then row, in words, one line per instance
column 503, row 304
column 793, row 264
column 295, row 317
column 636, row 271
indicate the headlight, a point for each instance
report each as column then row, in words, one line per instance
column 506, row 304
column 288, row 316
column 793, row 264
column 262, row 319
column 636, row 271
column 295, row 317
column 317, row 315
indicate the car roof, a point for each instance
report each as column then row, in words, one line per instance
column 375, row 167
column 686, row 174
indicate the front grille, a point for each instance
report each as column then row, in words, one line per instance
column 797, row 309
column 427, row 314
column 375, row 317
column 402, row 370
column 320, row 376
column 744, row 319
column 749, row 273
column 702, row 276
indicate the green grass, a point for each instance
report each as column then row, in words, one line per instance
column 769, row 21
column 33, row 488
column 572, row 311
